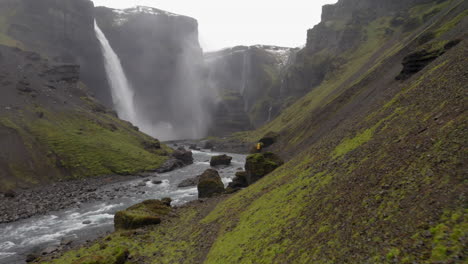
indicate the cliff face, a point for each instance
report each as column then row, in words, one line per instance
column 163, row 60
column 63, row 31
column 50, row 129
column 247, row 81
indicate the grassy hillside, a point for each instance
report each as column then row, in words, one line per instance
column 376, row 168
column 50, row 129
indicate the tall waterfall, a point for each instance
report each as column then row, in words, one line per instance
column 121, row 90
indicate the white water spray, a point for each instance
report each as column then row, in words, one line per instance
column 122, row 92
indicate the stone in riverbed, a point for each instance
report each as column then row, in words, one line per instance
column 189, row 182
column 220, row 160
column 170, row 165
column 210, row 184
column 87, row 222
column 143, row 214
column 183, row 155
column 240, row 181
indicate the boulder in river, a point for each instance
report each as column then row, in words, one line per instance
column 183, row 155
column 260, row 164
column 240, row 181
column 170, row 165
column 146, row 213
column 220, row 160
column 210, row 184
column 189, row 182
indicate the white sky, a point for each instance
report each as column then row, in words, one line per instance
column 241, row 22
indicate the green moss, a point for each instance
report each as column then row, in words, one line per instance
column 143, row 214
column 350, row 144
column 87, row 147
column 446, row 27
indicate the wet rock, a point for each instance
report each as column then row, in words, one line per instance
column 210, row 184
column 143, row 214
column 220, row 160
column 170, row 165
column 183, row 155
column 31, row 257
column 207, row 144
column 157, row 182
column 260, row 164
column 189, row 182
column 167, row 201
column 240, row 181
column 87, row 222
column 194, row 147
column 49, row 250
column 269, row 139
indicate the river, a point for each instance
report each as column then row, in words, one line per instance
column 92, row 220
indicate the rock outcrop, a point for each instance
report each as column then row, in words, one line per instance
column 143, row 214
column 260, row 164
column 210, row 184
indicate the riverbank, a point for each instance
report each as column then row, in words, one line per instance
column 71, row 213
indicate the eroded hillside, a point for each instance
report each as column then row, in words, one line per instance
column 376, row 155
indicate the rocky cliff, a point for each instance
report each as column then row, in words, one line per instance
column 163, row 61
column 247, row 81
column 51, row 129
column 376, row 152
column 63, row 31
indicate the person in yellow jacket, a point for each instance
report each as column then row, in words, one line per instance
column 259, row 146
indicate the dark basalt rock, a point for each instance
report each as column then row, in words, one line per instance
column 220, row 160
column 240, row 181
column 189, row 182
column 210, row 184
column 269, row 139
column 183, row 155
column 416, row 61
column 170, row 165
column 260, row 164
column 143, row 214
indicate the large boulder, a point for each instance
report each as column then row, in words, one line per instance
column 183, row 155
column 146, row 213
column 260, row 164
column 240, row 181
column 220, row 160
column 210, row 184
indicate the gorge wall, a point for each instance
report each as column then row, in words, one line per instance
column 62, row 31
column 162, row 58
column 248, row 85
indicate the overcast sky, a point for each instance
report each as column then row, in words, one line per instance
column 241, row 22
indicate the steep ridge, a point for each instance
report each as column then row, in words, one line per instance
column 51, row 129
column 376, row 161
column 247, row 82
column 62, row 31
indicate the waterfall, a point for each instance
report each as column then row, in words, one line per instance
column 122, row 92
column 245, row 71
column 269, row 113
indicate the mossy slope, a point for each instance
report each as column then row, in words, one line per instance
column 375, row 171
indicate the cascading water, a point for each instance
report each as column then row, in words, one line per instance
column 245, row 70
column 121, row 90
